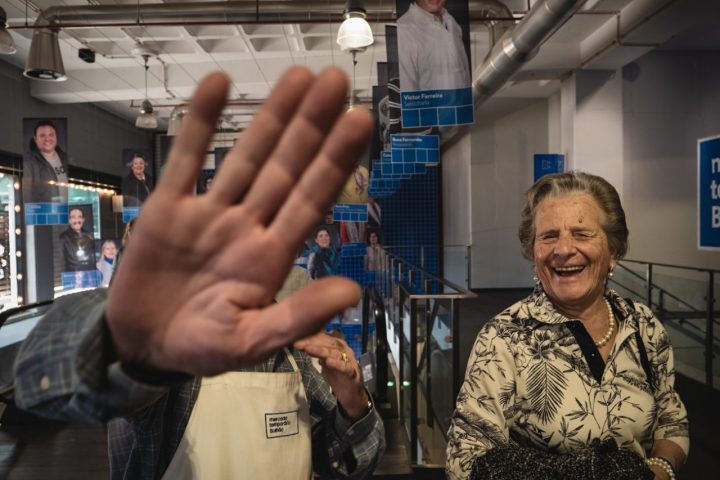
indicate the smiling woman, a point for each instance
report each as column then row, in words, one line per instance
column 574, row 376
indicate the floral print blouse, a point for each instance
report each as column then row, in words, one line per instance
column 536, row 377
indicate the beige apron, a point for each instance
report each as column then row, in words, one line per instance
column 247, row 425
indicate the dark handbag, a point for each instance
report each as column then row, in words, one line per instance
column 601, row 460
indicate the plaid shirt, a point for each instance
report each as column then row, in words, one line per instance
column 65, row 371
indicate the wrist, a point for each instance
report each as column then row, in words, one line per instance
column 359, row 408
column 661, row 467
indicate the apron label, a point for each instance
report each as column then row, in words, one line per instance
column 281, row 424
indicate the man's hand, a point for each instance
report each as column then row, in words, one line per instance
column 194, row 289
column 340, row 369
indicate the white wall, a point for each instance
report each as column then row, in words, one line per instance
column 501, row 171
column 95, row 137
column 670, row 100
column 456, row 208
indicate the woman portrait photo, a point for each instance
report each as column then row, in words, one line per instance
column 106, row 264
column 138, row 183
column 324, row 256
column 574, row 381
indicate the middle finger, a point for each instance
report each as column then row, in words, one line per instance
column 298, row 146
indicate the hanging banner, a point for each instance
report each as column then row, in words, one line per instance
column 709, row 193
column 45, row 168
column 423, row 149
column 77, row 247
column 547, row 163
column 138, row 181
column 434, row 63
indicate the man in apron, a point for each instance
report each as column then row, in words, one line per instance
column 198, row 372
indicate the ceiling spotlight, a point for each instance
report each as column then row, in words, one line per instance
column 7, row 46
column 355, row 34
column 147, row 118
column 45, row 61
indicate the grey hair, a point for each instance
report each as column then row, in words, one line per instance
column 573, row 183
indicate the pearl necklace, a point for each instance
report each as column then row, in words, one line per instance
column 611, row 326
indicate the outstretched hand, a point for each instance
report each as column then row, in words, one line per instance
column 194, row 290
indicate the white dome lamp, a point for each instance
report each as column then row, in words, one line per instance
column 354, row 35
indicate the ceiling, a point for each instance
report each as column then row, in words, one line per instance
column 607, row 35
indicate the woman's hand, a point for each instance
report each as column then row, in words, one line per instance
column 340, row 369
column 660, row 474
column 194, row 290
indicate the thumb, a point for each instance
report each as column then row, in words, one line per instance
column 308, row 310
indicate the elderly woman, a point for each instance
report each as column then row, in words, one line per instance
column 573, row 381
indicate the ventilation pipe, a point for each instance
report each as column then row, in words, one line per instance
column 512, row 50
column 519, row 45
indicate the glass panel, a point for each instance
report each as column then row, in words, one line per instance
column 455, row 264
column 679, row 300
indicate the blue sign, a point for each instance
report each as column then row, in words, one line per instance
column 129, row 213
column 547, row 163
column 350, row 212
column 46, row 213
column 81, row 279
column 437, row 108
column 709, row 193
column 415, row 148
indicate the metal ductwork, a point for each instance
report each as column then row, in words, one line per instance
column 512, row 45
column 519, row 45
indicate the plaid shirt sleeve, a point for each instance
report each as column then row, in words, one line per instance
column 65, row 369
column 341, row 448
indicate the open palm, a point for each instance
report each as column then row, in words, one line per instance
column 194, row 290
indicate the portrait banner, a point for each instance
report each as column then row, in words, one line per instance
column 45, row 171
column 138, row 181
column 434, row 63
column 77, row 249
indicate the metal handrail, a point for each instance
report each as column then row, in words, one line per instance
column 710, row 321
column 381, row 343
column 681, row 267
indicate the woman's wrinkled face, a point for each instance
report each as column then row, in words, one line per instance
column 571, row 251
column 138, row 167
column 109, row 250
column 323, row 239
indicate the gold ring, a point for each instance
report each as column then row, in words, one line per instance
column 344, row 357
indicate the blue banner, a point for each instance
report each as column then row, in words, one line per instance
column 350, row 212
column 415, row 149
column 46, row 213
column 129, row 213
column 547, row 163
column 709, row 193
column 437, row 108
column 80, row 279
